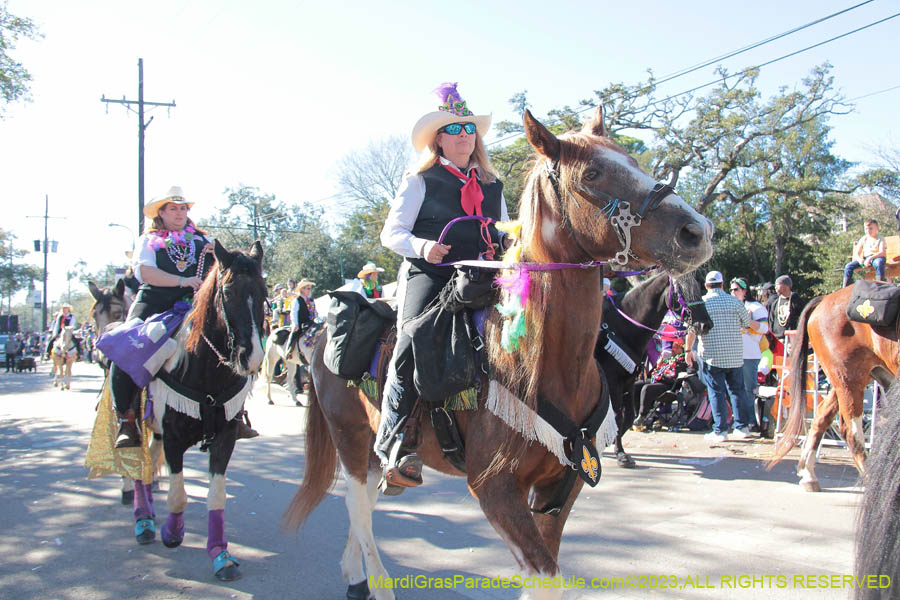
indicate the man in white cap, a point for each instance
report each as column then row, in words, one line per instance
column 722, row 355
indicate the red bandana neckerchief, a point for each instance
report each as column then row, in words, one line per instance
column 471, row 197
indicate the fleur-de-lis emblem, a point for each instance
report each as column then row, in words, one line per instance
column 589, row 464
column 865, row 309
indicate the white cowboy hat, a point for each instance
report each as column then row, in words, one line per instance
column 452, row 110
column 303, row 283
column 174, row 195
column 369, row 268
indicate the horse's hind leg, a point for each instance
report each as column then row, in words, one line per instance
column 806, row 466
column 852, row 429
column 127, row 490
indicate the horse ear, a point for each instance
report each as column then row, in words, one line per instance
column 95, row 291
column 595, row 126
column 540, row 137
column 223, row 256
column 256, row 252
column 119, row 290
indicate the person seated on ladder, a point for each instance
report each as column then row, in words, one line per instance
column 869, row 250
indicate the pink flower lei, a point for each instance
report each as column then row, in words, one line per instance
column 164, row 238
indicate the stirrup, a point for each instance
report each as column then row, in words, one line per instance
column 129, row 434
column 407, row 473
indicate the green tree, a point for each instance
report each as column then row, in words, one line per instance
column 14, row 77
column 368, row 179
column 13, row 276
column 250, row 215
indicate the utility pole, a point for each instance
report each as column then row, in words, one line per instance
column 141, row 127
column 46, row 249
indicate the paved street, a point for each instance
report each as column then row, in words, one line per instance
column 688, row 510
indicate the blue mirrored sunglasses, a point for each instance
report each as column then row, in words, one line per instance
column 455, row 128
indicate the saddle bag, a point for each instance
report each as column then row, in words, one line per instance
column 444, row 341
column 141, row 347
column 874, row 303
column 354, row 324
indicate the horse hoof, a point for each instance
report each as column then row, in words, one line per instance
column 229, row 573
column 625, row 461
column 145, row 531
column 173, row 543
column 128, row 498
column 810, row 486
column 225, row 567
column 358, row 591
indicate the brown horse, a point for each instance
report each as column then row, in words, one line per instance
column 851, row 354
column 577, row 207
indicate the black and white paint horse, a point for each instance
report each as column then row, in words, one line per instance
column 200, row 390
column 633, row 318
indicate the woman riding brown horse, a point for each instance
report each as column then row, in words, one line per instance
column 583, row 199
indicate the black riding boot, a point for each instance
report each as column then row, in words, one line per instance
column 402, row 466
column 126, row 396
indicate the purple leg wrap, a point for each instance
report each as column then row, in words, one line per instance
column 143, row 500
column 215, row 540
column 173, row 529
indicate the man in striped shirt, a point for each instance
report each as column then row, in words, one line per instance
column 722, row 354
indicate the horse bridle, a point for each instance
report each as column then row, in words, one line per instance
column 617, row 211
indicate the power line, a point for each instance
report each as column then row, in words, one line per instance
column 874, row 93
column 757, row 44
column 759, row 66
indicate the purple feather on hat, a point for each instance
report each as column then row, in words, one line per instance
column 447, row 92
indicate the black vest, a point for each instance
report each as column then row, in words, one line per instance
column 164, row 298
column 441, row 205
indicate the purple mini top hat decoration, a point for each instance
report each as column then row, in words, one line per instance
column 451, row 101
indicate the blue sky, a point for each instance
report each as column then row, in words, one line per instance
column 273, row 93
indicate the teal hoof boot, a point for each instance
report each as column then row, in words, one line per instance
column 225, row 567
column 145, row 531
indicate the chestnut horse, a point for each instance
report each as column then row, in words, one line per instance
column 577, row 207
column 851, row 354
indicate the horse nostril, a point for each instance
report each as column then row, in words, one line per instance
column 690, row 236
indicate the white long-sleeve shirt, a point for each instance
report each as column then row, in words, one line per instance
column 397, row 231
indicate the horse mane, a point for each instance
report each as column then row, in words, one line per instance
column 520, row 370
column 204, row 311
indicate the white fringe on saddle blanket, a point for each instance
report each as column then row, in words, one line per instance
column 160, row 392
column 533, row 427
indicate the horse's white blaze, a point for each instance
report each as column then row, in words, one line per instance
column 177, row 499
column 360, row 511
column 215, row 497
column 256, row 354
column 648, row 182
column 625, row 162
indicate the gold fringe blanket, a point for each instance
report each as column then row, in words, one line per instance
column 103, row 459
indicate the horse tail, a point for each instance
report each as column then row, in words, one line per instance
column 798, row 364
column 878, row 519
column 321, row 465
